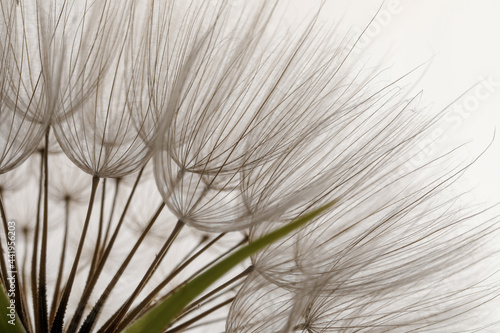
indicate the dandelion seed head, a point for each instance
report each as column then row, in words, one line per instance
column 69, row 184
column 250, row 122
column 23, row 116
column 244, row 103
column 100, row 134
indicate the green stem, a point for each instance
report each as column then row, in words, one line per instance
column 149, row 273
column 199, row 302
column 190, row 322
column 143, row 306
column 161, row 316
column 8, row 323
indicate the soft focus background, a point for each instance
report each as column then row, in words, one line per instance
column 457, row 42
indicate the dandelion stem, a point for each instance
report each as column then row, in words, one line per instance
column 89, row 322
column 184, row 263
column 207, row 323
column 57, row 287
column 145, row 304
column 203, row 239
column 98, row 246
column 111, row 213
column 34, row 257
column 92, row 278
column 25, row 232
column 198, row 303
column 188, row 323
column 42, row 279
column 147, row 276
column 240, row 243
column 57, row 326
column 163, row 313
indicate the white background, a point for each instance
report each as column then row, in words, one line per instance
column 459, row 43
